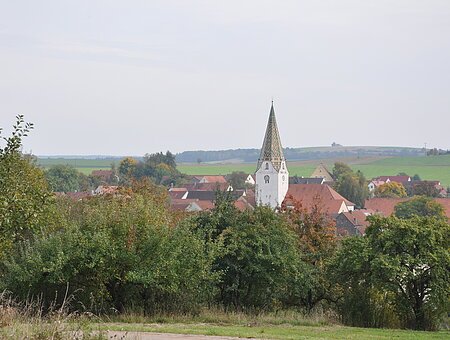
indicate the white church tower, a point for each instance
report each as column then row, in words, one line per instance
column 272, row 176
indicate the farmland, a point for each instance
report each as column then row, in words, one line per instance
column 431, row 167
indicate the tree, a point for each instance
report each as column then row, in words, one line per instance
column 359, row 302
column 416, row 177
column 237, row 179
column 123, row 252
column 63, row 178
column 397, row 273
column 316, row 243
column 410, row 259
column 420, row 206
column 25, row 200
column 391, row 190
column 127, row 167
column 351, row 185
column 254, row 251
column 425, row 188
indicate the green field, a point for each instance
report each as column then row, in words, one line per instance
column 431, row 167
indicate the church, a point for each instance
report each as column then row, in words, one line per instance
column 272, row 187
column 272, row 176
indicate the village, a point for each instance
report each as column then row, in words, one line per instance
column 272, row 186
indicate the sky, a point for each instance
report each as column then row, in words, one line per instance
column 134, row 77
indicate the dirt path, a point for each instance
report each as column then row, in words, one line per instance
column 122, row 335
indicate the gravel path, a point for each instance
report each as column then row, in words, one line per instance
column 121, row 335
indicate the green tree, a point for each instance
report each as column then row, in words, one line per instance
column 237, row 179
column 359, row 302
column 25, row 200
column 416, row 177
column 124, row 252
column 255, row 254
column 63, row 178
column 351, row 185
column 127, row 167
column 390, row 190
column 410, row 259
column 420, row 206
column 397, row 275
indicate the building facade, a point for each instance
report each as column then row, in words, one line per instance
column 272, row 176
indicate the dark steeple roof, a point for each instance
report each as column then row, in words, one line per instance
column 271, row 148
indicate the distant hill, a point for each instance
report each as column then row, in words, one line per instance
column 293, row 154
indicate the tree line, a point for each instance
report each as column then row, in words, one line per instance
column 129, row 252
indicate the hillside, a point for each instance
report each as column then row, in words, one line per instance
column 292, row 154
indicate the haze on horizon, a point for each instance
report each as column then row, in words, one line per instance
column 127, row 78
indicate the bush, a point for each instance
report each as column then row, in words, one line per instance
column 117, row 252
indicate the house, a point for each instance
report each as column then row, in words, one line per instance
column 106, row 189
column 386, row 206
column 76, row 196
column 102, row 175
column 398, row 179
column 374, row 184
column 309, row 195
column 352, row 223
column 322, row 172
column 250, row 180
column 202, row 186
column 208, row 179
column 306, row 180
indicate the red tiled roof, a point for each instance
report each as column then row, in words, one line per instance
column 398, row 179
column 384, row 206
column 358, row 219
column 446, row 204
column 77, row 196
column 205, row 205
column 102, row 174
column 211, row 178
column 180, row 204
column 178, row 194
column 308, row 194
column 207, row 186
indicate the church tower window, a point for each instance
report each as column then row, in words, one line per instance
column 266, row 179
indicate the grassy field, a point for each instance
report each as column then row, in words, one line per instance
column 431, row 168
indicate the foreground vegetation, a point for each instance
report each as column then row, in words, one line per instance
column 127, row 253
column 30, row 323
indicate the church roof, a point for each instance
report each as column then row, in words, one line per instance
column 271, row 149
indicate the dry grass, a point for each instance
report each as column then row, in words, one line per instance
column 28, row 321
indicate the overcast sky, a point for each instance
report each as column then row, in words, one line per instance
column 130, row 77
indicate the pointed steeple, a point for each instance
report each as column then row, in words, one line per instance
column 271, row 148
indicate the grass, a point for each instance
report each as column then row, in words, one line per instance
column 26, row 321
column 431, row 167
column 278, row 331
column 280, row 325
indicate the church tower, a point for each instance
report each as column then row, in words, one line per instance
column 272, row 176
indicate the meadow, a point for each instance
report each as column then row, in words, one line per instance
column 430, row 168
